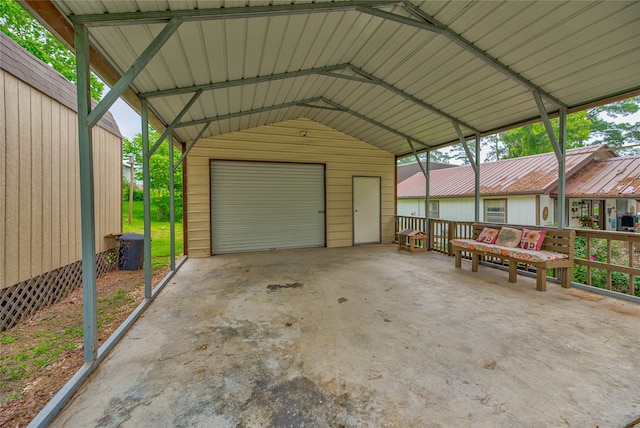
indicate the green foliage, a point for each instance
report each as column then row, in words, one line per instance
column 598, row 253
column 138, row 194
column 587, row 127
column 22, row 28
column 158, row 163
column 160, row 234
column 616, row 134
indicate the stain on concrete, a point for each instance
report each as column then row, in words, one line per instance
column 491, row 365
column 342, row 300
column 274, row 287
column 119, row 409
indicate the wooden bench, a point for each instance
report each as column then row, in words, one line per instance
column 556, row 252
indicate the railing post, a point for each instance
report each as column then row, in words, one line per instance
column 632, row 285
column 609, row 272
column 431, row 238
column 450, row 229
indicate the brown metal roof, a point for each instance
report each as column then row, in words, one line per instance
column 609, row 178
column 31, row 70
column 406, row 170
column 537, row 174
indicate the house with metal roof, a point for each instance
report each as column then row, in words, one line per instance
column 524, row 190
column 406, row 170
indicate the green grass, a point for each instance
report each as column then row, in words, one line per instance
column 22, row 362
column 160, row 237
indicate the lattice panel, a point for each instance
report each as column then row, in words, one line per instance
column 24, row 299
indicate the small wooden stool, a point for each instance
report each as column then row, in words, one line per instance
column 413, row 241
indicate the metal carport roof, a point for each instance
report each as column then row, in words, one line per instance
column 381, row 71
column 391, row 73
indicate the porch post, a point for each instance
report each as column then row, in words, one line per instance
column 426, row 170
column 560, row 149
column 475, row 164
column 477, row 173
column 87, row 209
column 427, row 199
column 562, row 164
column 172, row 215
column 146, row 179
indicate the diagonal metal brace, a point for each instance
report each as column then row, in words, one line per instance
column 175, row 122
column 138, row 65
column 472, row 160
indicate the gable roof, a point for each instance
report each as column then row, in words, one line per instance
column 609, row 178
column 17, row 61
column 382, row 71
column 537, row 174
column 406, row 170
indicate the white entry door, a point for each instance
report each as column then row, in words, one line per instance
column 366, row 210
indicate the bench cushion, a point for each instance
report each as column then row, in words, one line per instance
column 515, row 253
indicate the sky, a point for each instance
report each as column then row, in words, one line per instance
column 127, row 119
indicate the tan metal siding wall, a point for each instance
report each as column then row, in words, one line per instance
column 39, row 184
column 344, row 157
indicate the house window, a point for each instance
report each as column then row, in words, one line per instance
column 434, row 209
column 495, row 210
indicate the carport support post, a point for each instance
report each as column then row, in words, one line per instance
column 560, row 149
column 87, row 209
column 426, row 170
column 475, row 164
column 562, row 169
column 146, row 180
column 172, row 215
column 477, row 187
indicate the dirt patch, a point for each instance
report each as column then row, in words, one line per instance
column 41, row 354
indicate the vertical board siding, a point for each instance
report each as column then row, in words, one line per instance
column 24, row 181
column 343, row 156
column 39, row 184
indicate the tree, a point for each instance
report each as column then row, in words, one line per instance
column 533, row 139
column 22, row 28
column 158, row 163
column 616, row 134
column 585, row 127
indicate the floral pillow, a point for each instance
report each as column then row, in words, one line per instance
column 488, row 235
column 532, row 239
column 509, row 237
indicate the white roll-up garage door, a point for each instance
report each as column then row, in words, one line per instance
column 266, row 205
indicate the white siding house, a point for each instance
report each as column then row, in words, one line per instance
column 524, row 190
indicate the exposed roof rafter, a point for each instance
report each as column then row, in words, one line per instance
column 479, row 53
column 224, row 13
column 308, row 103
column 373, row 122
column 325, row 71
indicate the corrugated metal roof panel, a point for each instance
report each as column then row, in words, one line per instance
column 576, row 52
column 610, row 178
column 530, row 174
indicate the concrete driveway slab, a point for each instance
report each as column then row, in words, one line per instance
column 366, row 337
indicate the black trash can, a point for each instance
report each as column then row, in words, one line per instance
column 131, row 252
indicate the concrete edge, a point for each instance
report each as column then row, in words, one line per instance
column 53, row 407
